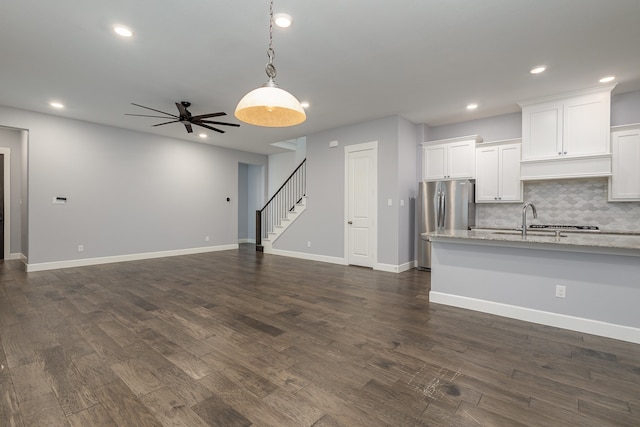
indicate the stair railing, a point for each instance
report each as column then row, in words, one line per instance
column 281, row 203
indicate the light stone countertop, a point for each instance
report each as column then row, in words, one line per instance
column 604, row 243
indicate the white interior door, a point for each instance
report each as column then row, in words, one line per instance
column 360, row 193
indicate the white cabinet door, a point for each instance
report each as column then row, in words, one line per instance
column 453, row 159
column 487, row 173
column 434, row 161
column 586, row 125
column 461, row 160
column 542, row 131
column 624, row 184
column 498, row 173
column 510, row 186
column 576, row 125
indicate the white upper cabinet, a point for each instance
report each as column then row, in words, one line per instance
column 434, row 162
column 449, row 158
column 567, row 135
column 498, row 172
column 542, row 130
column 624, row 184
column 586, row 125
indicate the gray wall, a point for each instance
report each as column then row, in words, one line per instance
column 250, row 198
column 407, row 141
column 281, row 165
column 128, row 192
column 24, row 193
column 255, row 197
column 13, row 139
column 625, row 108
column 497, row 128
column 599, row 287
column 243, row 202
column 323, row 222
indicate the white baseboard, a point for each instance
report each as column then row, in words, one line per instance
column 123, row 258
column 390, row 268
column 247, row 241
column 307, row 256
column 579, row 324
column 14, row 256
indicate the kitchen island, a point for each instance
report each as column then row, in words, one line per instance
column 584, row 282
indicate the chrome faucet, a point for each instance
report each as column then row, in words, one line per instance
column 524, row 217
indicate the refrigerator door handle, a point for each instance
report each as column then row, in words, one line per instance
column 443, row 204
column 439, row 211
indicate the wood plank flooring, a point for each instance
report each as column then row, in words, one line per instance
column 240, row 338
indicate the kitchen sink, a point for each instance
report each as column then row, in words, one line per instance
column 530, row 233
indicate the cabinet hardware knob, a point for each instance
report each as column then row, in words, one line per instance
column 565, row 152
column 350, row 222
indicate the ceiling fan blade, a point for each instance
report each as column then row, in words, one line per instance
column 153, row 109
column 182, row 109
column 144, row 115
column 206, row 116
column 188, row 127
column 211, row 122
column 208, row 127
column 166, row 123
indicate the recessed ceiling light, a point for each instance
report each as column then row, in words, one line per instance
column 537, row 70
column 203, row 135
column 472, row 106
column 283, row 20
column 122, row 31
column 304, row 104
column 607, row 79
column 56, row 104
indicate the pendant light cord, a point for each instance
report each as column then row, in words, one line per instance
column 270, row 68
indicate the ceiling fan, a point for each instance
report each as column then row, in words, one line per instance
column 186, row 118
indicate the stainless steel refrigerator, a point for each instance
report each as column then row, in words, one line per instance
column 443, row 206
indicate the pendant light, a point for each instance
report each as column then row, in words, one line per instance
column 269, row 105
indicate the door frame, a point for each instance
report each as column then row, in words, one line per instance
column 7, row 201
column 373, row 146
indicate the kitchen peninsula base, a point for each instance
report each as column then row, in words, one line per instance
column 518, row 279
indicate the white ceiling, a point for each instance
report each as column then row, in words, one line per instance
column 352, row 60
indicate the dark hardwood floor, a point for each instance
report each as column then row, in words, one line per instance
column 239, row 338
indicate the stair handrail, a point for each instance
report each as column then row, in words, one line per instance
column 283, row 185
column 284, row 204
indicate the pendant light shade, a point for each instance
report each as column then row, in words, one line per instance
column 269, row 105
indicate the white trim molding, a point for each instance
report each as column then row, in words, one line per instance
column 308, row 256
column 395, row 268
column 54, row 265
column 579, row 324
column 7, row 201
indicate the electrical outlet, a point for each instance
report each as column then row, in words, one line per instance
column 206, row 238
column 309, row 244
column 80, row 248
column 561, row 291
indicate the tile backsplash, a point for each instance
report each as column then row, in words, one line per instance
column 571, row 201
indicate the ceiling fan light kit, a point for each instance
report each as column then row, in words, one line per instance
column 269, row 105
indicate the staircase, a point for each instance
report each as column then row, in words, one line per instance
column 284, row 207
